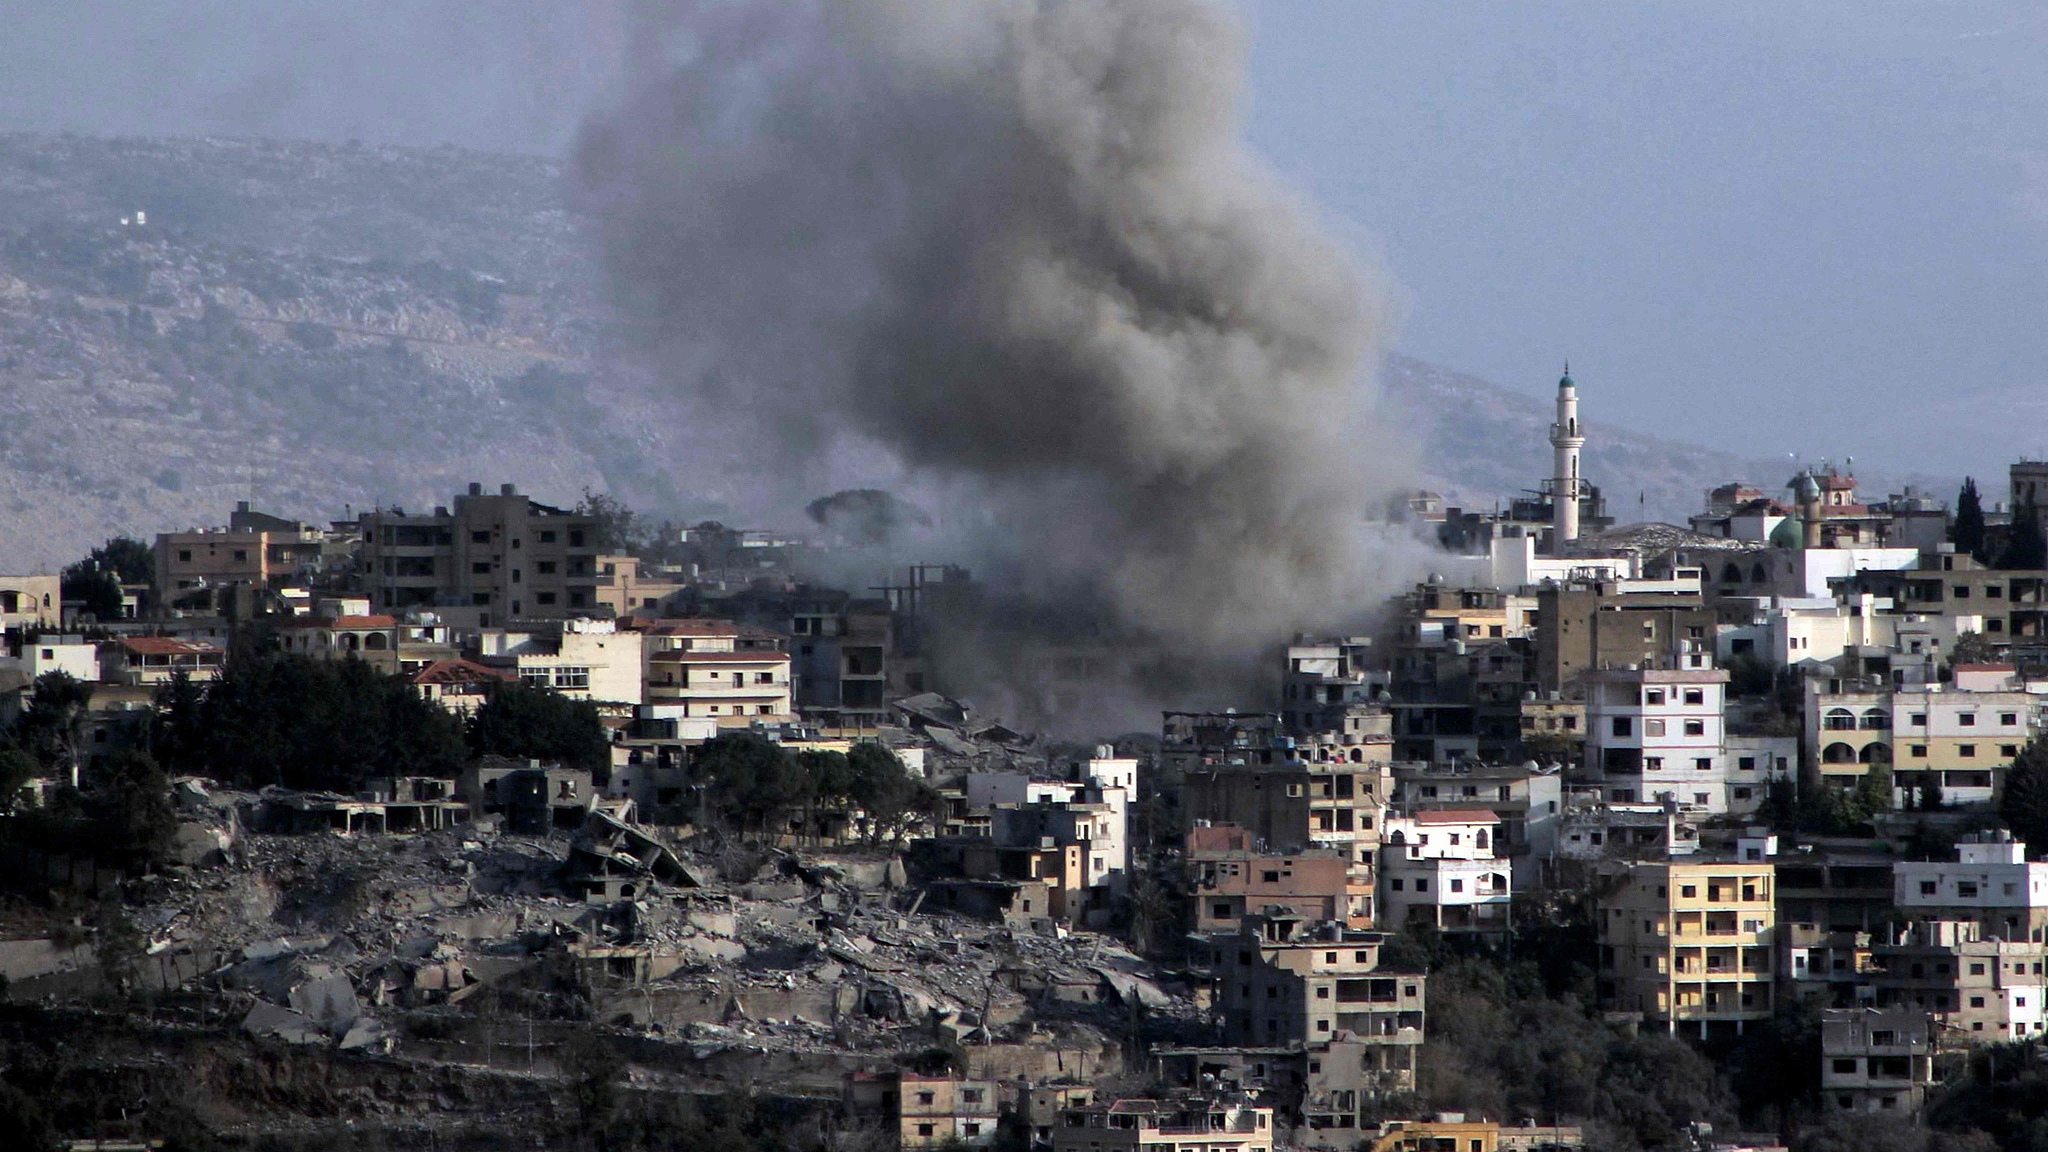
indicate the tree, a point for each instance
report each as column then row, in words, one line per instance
column 2024, row 806
column 133, row 812
column 751, row 778
column 1968, row 533
column 527, row 722
column 96, row 580
column 1930, row 792
column 53, row 727
column 884, row 789
column 617, row 527
column 1873, row 793
column 1970, row 648
column 2026, row 548
column 17, row 768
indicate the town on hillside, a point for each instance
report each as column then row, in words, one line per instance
column 1707, row 837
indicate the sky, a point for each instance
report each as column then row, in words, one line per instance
column 1816, row 228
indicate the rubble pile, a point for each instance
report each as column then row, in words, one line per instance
column 329, row 938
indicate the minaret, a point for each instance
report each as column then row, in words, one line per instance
column 1566, row 439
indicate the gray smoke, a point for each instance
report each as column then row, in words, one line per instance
column 1020, row 246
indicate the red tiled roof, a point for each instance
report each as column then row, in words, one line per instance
column 460, row 672
column 343, row 622
column 1458, row 816
column 1984, row 668
column 168, row 646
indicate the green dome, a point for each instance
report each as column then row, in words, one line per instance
column 1790, row 534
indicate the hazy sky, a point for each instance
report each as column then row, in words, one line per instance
column 1817, row 226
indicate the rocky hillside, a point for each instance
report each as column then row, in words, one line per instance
column 315, row 326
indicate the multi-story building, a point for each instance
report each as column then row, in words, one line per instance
column 731, row 673
column 30, row 602
column 583, row 659
column 1285, row 980
column 1875, row 1060
column 1528, row 801
column 1689, row 941
column 1990, row 882
column 1978, row 988
column 626, row 587
column 1095, row 817
column 1143, row 1125
column 1957, row 738
column 505, row 557
column 925, row 1111
column 1834, row 891
column 255, row 549
column 1659, row 734
column 1438, row 869
column 1593, row 625
column 1455, row 1132
column 1323, row 676
column 1230, row 877
column 148, row 661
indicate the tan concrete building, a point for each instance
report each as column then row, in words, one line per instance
column 1145, row 1125
column 925, row 1111
column 1230, row 877
column 1583, row 627
column 30, row 602
column 731, row 673
column 1875, row 1060
column 1689, row 941
column 507, row 556
column 625, row 587
column 1284, row 980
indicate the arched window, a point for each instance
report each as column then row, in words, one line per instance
column 1357, row 756
column 376, row 642
column 1839, row 720
column 1838, row 754
column 348, row 642
column 1758, row 575
column 1875, row 720
column 1730, row 574
column 1875, row 754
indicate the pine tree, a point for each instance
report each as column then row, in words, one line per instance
column 2026, row 549
column 1968, row 533
column 2024, row 807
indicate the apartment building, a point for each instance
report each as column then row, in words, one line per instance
column 1145, row 1125
column 505, row 557
column 1322, row 677
column 626, row 587
column 925, row 1111
column 1285, row 980
column 148, row 661
column 734, row 674
column 1978, row 988
column 1455, row 1132
column 583, row 659
column 1529, row 803
column 1230, row 877
column 1689, row 942
column 1439, row 869
column 30, row 602
column 1655, row 734
column 1990, row 882
column 1875, row 1060
column 254, row 549
column 1958, row 737
column 1593, row 625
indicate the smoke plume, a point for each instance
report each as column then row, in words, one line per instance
column 1020, row 246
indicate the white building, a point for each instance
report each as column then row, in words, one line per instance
column 1990, row 882
column 74, row 656
column 1441, row 868
column 586, row 660
column 1660, row 734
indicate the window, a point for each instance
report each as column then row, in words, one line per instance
column 547, row 537
column 971, row 1129
column 1653, row 695
column 480, row 537
column 1845, row 1066
column 1966, row 751
column 1322, row 992
column 1976, row 1002
column 544, row 567
column 544, row 598
column 1623, row 726
column 572, row 678
column 1653, row 763
column 1695, row 696
column 575, row 537
column 971, row 1095
column 241, row 554
column 480, row 568
column 1919, row 750
column 1653, row 727
column 1699, row 798
column 1966, row 889
column 1928, row 888
column 1967, row 719
column 1457, row 885
column 924, row 1129
column 185, row 555
column 1688, row 891
column 1695, row 727
column 2009, row 751
column 1746, row 763
column 1917, row 719
column 1421, row 884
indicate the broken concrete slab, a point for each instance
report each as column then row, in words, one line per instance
column 267, row 1019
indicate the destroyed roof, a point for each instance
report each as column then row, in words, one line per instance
column 1457, row 816
column 1655, row 537
column 168, row 646
column 341, row 622
column 461, row 672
